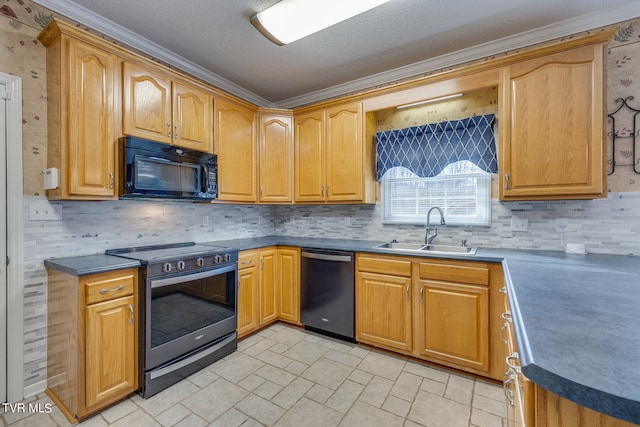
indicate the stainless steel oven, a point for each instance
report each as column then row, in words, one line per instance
column 188, row 297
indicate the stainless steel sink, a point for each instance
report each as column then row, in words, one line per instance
column 421, row 247
column 464, row 250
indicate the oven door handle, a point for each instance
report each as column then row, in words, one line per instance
column 191, row 359
column 158, row 283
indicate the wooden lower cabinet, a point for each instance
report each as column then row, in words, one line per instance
column 288, row 284
column 383, row 310
column 248, row 292
column 268, row 277
column 443, row 311
column 268, row 288
column 92, row 340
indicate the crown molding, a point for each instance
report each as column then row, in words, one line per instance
column 565, row 28
column 547, row 33
column 127, row 37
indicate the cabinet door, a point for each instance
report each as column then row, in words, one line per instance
column 247, row 300
column 192, row 118
column 268, row 276
column 309, row 166
column 276, row 158
column 345, row 153
column 146, row 104
column 288, row 285
column 235, row 145
column 551, row 136
column 110, row 350
column 91, row 150
column 383, row 310
column 453, row 323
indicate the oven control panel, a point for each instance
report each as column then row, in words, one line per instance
column 188, row 264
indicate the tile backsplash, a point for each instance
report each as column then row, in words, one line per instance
column 610, row 225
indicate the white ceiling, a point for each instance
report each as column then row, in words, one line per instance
column 214, row 40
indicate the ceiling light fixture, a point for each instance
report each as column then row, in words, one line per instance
column 290, row 20
column 429, row 101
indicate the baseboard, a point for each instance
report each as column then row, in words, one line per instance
column 35, row 389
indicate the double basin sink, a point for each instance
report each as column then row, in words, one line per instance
column 421, row 247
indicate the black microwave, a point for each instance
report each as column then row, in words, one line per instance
column 154, row 170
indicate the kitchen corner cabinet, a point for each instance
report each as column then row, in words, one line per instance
column 92, row 340
column 552, row 142
column 383, row 302
column 268, row 287
column 166, row 110
column 236, row 147
column 275, row 135
column 82, row 101
column 334, row 155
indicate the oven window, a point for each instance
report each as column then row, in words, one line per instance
column 178, row 310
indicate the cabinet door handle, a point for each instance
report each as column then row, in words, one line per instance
column 175, row 134
column 322, row 191
column 246, row 262
column 504, row 340
column 327, row 191
column 261, row 263
column 515, row 368
column 508, row 393
column 506, row 180
column 104, row 291
column 169, row 129
column 507, row 316
column 407, row 289
column 503, row 290
column 112, row 180
column 261, row 191
column 421, row 295
column 131, row 310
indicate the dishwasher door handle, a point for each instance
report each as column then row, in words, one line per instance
column 327, row 257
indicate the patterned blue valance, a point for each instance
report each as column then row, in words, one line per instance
column 427, row 149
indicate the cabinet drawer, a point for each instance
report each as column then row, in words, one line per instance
column 247, row 259
column 106, row 286
column 393, row 267
column 459, row 273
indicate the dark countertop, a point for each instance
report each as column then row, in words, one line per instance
column 90, row 264
column 576, row 317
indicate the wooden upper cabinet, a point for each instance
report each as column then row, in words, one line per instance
column 192, row 117
column 235, row 145
column 82, row 82
column 333, row 161
column 91, row 140
column 157, row 108
column 552, row 142
column 147, row 104
column 276, row 158
column 309, row 178
column 344, row 153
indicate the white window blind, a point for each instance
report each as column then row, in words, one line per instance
column 462, row 190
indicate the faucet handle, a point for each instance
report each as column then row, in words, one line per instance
column 463, row 243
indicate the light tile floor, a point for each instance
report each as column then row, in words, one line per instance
column 285, row 376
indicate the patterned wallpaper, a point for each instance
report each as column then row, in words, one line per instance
column 88, row 227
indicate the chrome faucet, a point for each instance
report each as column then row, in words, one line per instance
column 428, row 237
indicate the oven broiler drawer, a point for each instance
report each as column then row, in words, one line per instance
column 105, row 287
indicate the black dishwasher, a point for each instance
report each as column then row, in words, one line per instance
column 327, row 293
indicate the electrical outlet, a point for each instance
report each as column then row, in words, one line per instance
column 45, row 211
column 519, row 224
column 562, row 224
